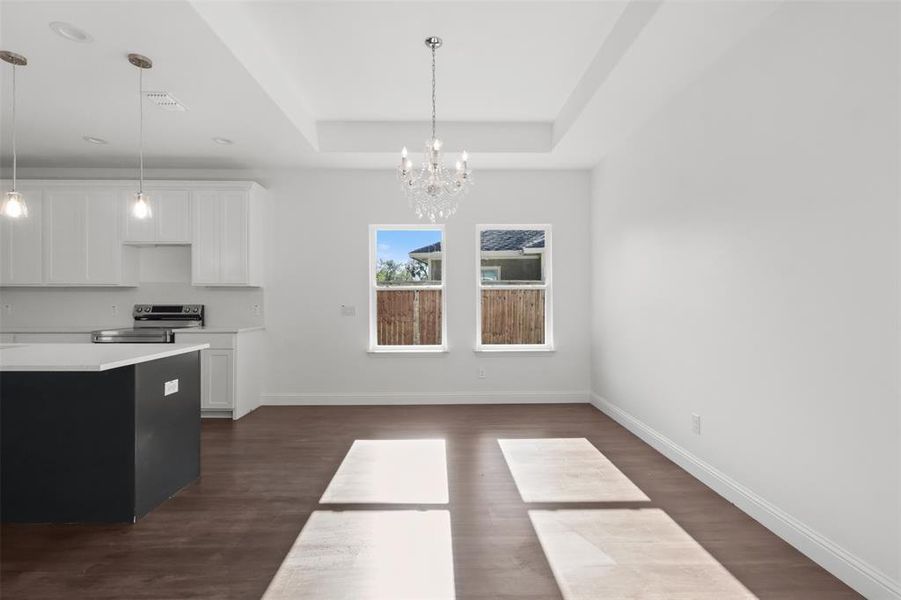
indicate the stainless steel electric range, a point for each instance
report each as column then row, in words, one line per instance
column 153, row 324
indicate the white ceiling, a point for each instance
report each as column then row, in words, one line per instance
column 368, row 62
column 344, row 84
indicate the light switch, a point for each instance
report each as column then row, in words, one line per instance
column 170, row 387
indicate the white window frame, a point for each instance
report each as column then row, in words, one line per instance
column 547, row 286
column 374, row 346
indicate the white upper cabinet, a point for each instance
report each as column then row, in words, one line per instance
column 21, row 244
column 170, row 222
column 82, row 233
column 227, row 242
column 81, row 238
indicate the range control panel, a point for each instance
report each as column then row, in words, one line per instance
column 168, row 312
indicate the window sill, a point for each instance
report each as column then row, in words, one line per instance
column 409, row 351
column 514, row 349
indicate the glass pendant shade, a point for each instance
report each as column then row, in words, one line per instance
column 140, row 209
column 14, row 206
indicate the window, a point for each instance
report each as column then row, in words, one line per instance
column 491, row 273
column 407, row 300
column 514, row 287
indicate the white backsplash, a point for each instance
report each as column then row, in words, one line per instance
column 165, row 279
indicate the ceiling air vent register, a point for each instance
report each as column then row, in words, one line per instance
column 166, row 101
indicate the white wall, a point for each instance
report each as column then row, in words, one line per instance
column 318, row 260
column 745, row 258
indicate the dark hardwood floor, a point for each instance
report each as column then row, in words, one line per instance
column 226, row 535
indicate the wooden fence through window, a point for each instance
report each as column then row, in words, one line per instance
column 512, row 316
column 409, row 317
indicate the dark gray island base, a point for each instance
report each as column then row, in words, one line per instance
column 101, row 446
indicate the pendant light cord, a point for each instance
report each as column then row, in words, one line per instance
column 14, row 129
column 141, row 129
column 433, row 93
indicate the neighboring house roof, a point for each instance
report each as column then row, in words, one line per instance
column 496, row 240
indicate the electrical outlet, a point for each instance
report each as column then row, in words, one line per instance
column 256, row 309
column 348, row 311
column 482, row 373
column 696, row 423
column 7, row 309
column 114, row 309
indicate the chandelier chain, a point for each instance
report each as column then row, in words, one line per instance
column 434, row 96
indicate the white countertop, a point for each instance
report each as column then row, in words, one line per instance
column 82, row 329
column 205, row 329
column 85, row 357
column 56, row 328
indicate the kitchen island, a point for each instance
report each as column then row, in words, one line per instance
column 96, row 432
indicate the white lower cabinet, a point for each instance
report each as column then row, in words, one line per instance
column 217, row 372
column 230, row 371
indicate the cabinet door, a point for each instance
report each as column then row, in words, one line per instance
column 217, row 379
column 102, row 252
column 21, row 245
column 234, row 250
column 65, row 236
column 172, row 216
column 206, row 238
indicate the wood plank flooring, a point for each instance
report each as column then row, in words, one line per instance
column 226, row 535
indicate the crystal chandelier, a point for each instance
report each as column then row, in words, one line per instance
column 434, row 191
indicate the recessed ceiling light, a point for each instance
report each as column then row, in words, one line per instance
column 223, row 141
column 71, row 32
column 94, row 140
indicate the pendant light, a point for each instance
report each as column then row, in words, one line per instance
column 14, row 206
column 140, row 208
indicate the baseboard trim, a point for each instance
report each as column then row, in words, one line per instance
column 406, row 398
column 855, row 572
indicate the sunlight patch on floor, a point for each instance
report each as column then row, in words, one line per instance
column 369, row 555
column 391, row 472
column 629, row 553
column 566, row 470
